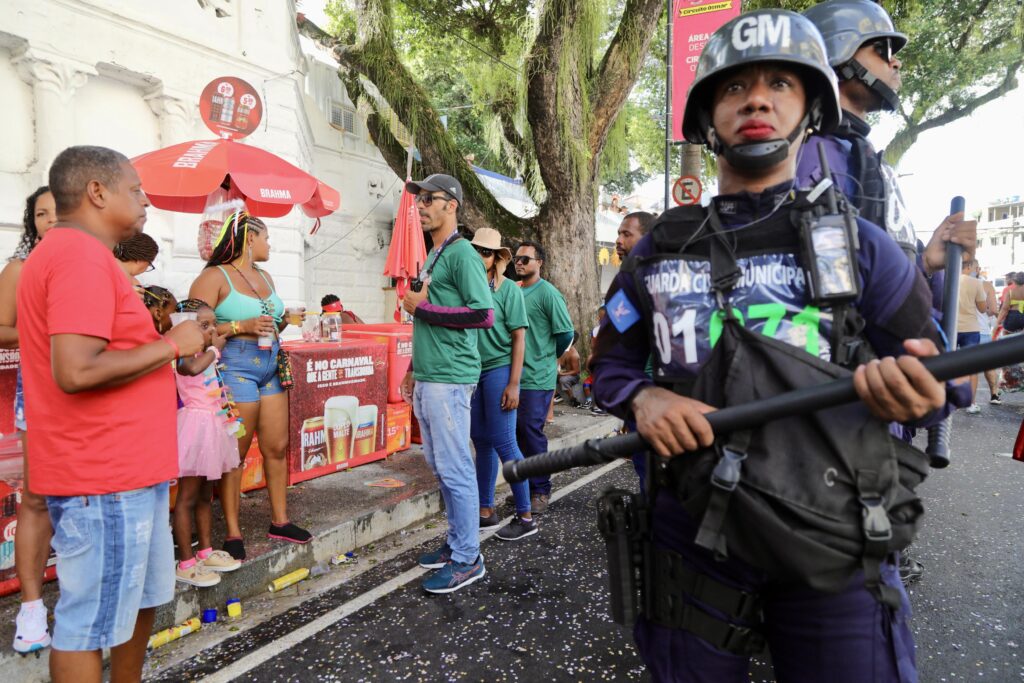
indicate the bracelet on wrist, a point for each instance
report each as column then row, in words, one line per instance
column 216, row 352
column 234, row 327
column 174, row 347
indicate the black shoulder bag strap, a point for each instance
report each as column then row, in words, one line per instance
column 725, row 273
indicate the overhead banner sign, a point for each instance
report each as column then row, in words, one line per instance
column 693, row 22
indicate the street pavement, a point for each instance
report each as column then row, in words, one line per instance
column 541, row 612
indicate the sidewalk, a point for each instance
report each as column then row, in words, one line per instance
column 342, row 510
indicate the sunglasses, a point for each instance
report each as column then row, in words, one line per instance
column 523, row 260
column 428, row 199
column 883, row 47
column 484, row 251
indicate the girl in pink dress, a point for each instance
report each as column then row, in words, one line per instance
column 208, row 431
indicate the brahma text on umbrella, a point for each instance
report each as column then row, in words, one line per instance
column 195, row 154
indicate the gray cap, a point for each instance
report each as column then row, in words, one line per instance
column 768, row 35
column 846, row 25
column 438, row 182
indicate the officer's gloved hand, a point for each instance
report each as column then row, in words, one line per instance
column 901, row 389
column 952, row 229
column 670, row 423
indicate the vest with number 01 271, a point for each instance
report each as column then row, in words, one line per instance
column 771, row 296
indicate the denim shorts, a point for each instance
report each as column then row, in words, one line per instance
column 19, row 405
column 249, row 371
column 114, row 557
column 965, row 339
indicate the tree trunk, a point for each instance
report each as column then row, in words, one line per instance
column 568, row 229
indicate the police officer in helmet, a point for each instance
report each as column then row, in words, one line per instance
column 862, row 46
column 722, row 300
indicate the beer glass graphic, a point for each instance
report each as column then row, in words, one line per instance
column 364, row 441
column 339, row 426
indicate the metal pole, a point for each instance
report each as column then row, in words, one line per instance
column 668, row 103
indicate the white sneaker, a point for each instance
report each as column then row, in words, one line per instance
column 220, row 561
column 31, row 634
column 974, row 409
column 196, row 575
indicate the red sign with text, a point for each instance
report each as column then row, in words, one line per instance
column 230, row 107
column 337, row 409
column 693, row 22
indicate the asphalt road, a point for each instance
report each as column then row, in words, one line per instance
column 541, row 612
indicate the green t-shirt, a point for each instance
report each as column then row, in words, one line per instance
column 495, row 344
column 443, row 354
column 548, row 316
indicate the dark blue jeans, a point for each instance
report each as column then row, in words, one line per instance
column 533, row 411
column 493, row 431
column 848, row 637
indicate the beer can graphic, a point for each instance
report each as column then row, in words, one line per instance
column 365, row 440
column 314, row 443
column 339, row 425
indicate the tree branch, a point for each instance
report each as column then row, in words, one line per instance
column 908, row 136
column 375, row 58
column 621, row 65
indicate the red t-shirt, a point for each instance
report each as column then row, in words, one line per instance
column 104, row 440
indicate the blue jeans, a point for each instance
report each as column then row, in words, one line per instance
column 494, row 435
column 533, row 411
column 443, row 413
column 965, row 339
column 249, row 371
column 114, row 557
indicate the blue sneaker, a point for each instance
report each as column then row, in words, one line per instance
column 455, row 575
column 438, row 558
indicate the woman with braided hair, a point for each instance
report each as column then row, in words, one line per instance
column 136, row 255
column 32, row 540
column 247, row 308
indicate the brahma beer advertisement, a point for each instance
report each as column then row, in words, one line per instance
column 337, row 407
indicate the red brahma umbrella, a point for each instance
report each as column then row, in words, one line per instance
column 407, row 252
column 182, row 177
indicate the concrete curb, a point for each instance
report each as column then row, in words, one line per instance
column 254, row 575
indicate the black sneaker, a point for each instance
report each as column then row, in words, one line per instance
column 289, row 532
column 516, row 529
column 910, row 569
column 234, row 547
column 596, row 410
column 558, row 399
column 493, row 520
column 996, row 400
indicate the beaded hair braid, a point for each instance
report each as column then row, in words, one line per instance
column 155, row 296
column 234, row 237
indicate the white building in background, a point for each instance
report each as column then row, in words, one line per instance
column 1000, row 247
column 127, row 74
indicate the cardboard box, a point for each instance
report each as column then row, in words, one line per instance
column 398, row 338
column 398, row 427
column 337, row 407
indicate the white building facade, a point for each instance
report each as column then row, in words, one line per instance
column 127, row 74
column 1000, row 246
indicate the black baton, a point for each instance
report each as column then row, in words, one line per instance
column 938, row 436
column 969, row 361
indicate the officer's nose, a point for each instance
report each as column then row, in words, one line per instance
column 758, row 97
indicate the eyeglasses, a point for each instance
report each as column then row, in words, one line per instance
column 150, row 269
column 883, row 46
column 523, row 260
column 428, row 199
column 483, row 251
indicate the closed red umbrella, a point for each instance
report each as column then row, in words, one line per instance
column 407, row 252
column 182, row 177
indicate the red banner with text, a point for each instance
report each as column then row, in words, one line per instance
column 693, row 22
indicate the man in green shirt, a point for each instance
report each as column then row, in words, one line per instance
column 453, row 301
column 547, row 338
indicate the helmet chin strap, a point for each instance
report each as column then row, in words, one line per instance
column 758, row 156
column 854, row 70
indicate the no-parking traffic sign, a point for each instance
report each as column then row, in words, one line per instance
column 686, row 191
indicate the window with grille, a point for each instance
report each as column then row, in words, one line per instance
column 343, row 118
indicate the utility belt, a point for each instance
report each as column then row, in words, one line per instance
column 660, row 585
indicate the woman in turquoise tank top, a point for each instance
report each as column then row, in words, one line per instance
column 247, row 307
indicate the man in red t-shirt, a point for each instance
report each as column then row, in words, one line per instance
column 100, row 402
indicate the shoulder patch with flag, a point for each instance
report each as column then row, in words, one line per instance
column 622, row 311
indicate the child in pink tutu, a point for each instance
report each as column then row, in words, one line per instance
column 208, row 433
